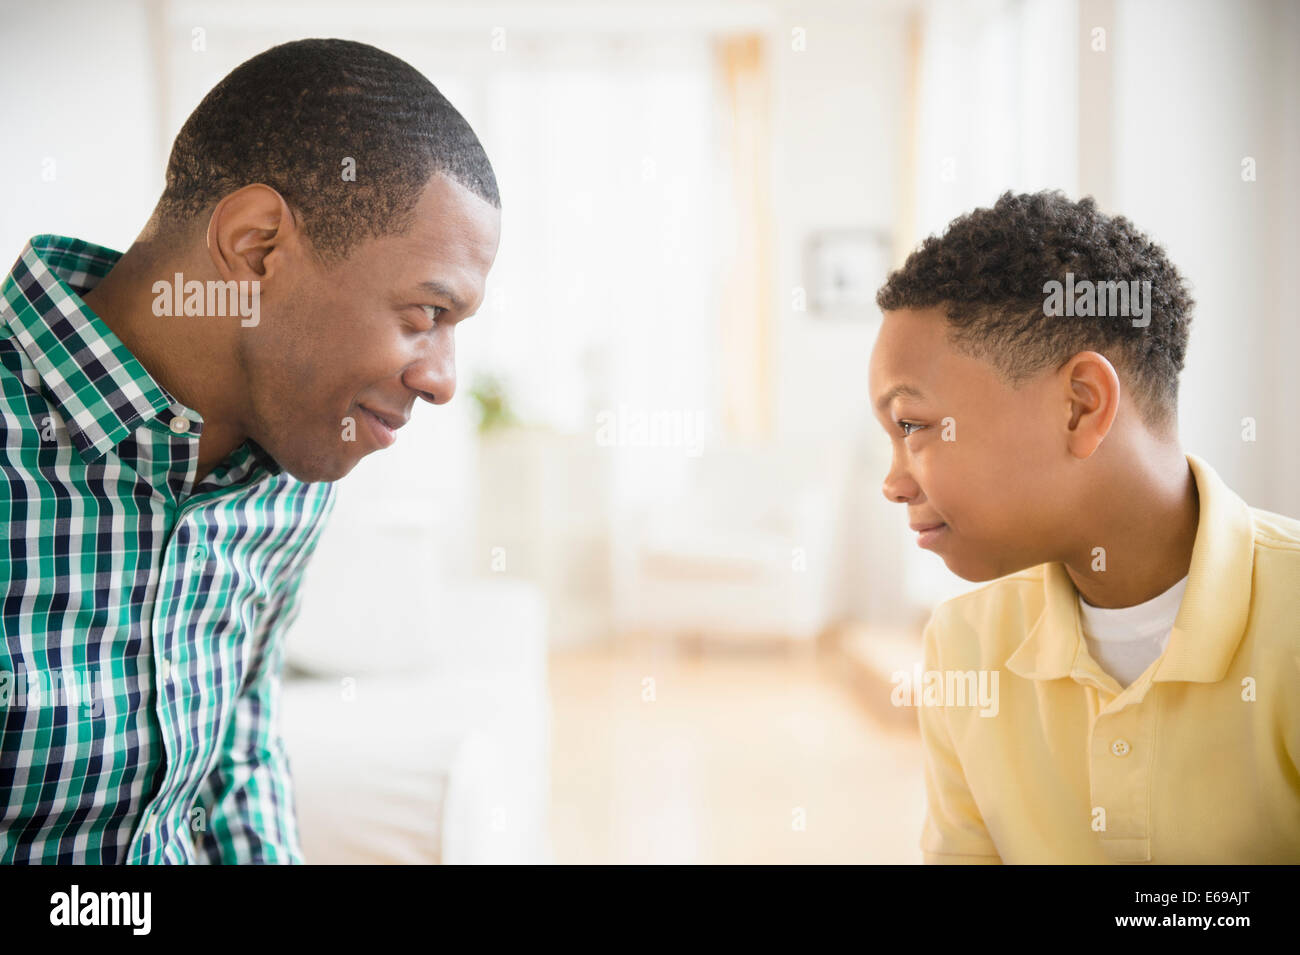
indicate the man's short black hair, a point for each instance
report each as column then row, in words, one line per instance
column 291, row 116
column 988, row 273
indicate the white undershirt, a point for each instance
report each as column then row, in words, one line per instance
column 1125, row 640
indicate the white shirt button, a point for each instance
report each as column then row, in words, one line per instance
column 180, row 424
column 167, row 670
column 1120, row 747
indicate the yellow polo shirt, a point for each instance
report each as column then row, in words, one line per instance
column 1198, row 761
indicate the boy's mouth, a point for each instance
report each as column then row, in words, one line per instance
column 927, row 534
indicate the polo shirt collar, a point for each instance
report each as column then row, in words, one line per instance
column 1211, row 618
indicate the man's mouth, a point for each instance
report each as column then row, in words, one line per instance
column 384, row 434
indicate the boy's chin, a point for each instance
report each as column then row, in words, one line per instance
column 979, row 571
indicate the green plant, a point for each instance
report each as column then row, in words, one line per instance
column 493, row 404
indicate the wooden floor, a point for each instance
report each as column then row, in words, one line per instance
column 725, row 756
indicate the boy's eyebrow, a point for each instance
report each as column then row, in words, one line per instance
column 899, row 391
column 437, row 288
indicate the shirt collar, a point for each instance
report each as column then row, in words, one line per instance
column 101, row 390
column 1210, row 621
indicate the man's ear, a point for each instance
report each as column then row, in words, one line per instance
column 1091, row 390
column 251, row 232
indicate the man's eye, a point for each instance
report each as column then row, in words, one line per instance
column 433, row 311
column 906, row 425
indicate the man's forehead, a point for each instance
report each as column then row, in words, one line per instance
column 447, row 206
column 452, row 264
column 449, row 234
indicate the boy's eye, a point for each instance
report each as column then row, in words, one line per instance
column 909, row 427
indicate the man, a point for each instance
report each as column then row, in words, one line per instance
column 1141, row 632
column 173, row 417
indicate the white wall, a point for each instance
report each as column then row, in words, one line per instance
column 838, row 118
column 79, row 88
column 1199, row 85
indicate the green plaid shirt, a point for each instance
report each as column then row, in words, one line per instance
column 143, row 614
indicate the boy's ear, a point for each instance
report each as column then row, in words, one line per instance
column 1091, row 391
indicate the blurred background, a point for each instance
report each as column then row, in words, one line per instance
column 634, row 595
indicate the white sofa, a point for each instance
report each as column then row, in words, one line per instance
column 746, row 548
column 418, row 728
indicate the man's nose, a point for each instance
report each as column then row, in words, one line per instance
column 434, row 376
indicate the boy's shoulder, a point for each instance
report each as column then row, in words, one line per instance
column 1276, row 531
column 1275, row 574
column 995, row 592
column 990, row 621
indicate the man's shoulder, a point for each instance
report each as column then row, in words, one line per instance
column 302, row 511
column 312, row 501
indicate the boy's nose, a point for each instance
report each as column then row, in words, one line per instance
column 898, row 488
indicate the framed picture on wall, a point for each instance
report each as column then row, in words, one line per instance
column 844, row 269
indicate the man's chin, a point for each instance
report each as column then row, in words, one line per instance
column 314, row 469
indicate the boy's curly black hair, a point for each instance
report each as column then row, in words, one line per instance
column 291, row 115
column 988, row 271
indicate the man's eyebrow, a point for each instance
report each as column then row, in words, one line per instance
column 899, row 391
column 438, row 288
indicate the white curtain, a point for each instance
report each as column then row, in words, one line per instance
column 997, row 102
column 603, row 293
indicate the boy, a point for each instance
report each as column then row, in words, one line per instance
column 1144, row 626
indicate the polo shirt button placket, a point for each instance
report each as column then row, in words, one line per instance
column 1121, row 786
